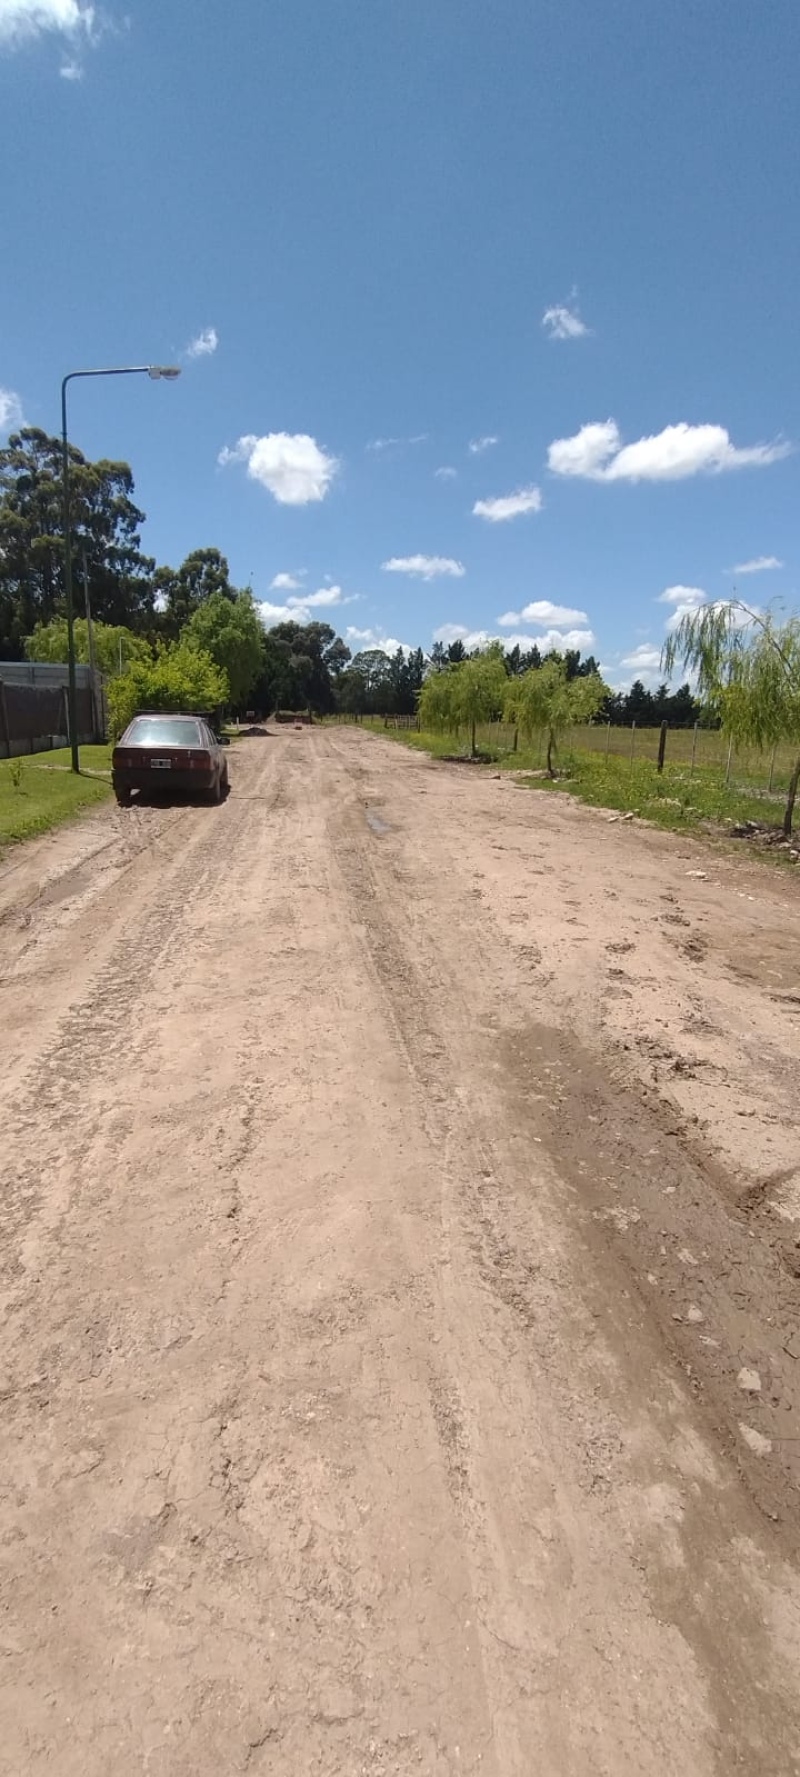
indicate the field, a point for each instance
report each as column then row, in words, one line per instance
column 616, row 768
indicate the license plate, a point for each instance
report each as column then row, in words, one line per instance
column 160, row 764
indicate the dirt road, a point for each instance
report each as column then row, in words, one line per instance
column 401, row 1320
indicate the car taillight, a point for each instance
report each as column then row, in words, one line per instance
column 199, row 761
column 121, row 759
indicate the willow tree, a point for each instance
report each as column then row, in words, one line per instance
column 545, row 703
column 464, row 695
column 747, row 666
column 437, row 703
column 480, row 688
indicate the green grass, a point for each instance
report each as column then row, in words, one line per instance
column 43, row 798
column 91, row 758
column 675, row 799
column 681, row 799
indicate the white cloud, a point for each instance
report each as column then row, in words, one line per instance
column 457, row 632
column 11, row 414
column 271, row 614
column 379, row 444
column 555, row 639
column 497, row 511
column 477, row 446
column 71, row 71
column 425, row 567
column 561, row 322
column 682, row 595
column 326, row 596
column 585, row 453
column 685, row 600
column 292, row 466
column 645, row 660
column 287, row 582
column 544, row 612
column 359, row 639
column 644, row 663
column 596, row 453
column 559, row 639
column 446, row 473
column 204, row 344
column 759, row 565
column 302, row 608
column 22, row 20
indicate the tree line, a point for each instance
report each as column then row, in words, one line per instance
column 141, row 609
column 157, row 633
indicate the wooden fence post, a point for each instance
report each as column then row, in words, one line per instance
column 728, row 765
column 772, row 768
column 662, row 746
column 5, row 727
column 694, row 749
column 608, row 737
column 633, row 741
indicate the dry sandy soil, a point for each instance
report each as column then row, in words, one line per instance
column 400, row 1303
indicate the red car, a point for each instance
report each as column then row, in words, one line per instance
column 168, row 752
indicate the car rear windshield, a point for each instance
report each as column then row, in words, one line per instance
column 161, row 731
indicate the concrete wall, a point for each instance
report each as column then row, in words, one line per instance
column 34, row 708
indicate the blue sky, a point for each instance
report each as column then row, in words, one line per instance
column 364, row 210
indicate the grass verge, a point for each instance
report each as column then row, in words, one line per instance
column 92, row 758
column 673, row 799
column 680, row 800
column 36, row 795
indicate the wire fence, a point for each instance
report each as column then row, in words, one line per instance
column 697, row 749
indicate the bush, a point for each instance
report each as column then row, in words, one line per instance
column 179, row 678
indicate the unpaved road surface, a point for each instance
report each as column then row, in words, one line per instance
column 400, row 1310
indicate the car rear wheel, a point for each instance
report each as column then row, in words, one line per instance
column 123, row 795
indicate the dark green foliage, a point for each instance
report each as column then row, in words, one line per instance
column 649, row 708
column 105, row 537
column 301, row 664
column 181, row 591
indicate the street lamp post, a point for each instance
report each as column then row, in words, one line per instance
column 158, row 372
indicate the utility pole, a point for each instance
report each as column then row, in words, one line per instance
column 90, row 635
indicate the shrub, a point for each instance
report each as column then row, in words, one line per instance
column 179, row 678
